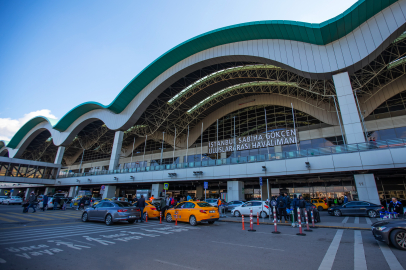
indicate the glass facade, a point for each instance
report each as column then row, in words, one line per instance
column 28, row 171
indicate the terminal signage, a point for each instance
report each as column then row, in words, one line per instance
column 260, row 181
column 206, row 185
column 166, row 186
column 274, row 138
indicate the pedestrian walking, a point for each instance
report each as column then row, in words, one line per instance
column 302, row 207
column 81, row 203
column 345, row 199
column 32, row 199
column 281, row 203
column 56, row 203
column 45, row 202
column 396, row 206
column 141, row 205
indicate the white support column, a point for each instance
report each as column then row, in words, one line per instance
column 28, row 191
column 366, row 188
column 235, row 190
column 59, row 155
column 115, row 153
column 348, row 108
column 156, row 189
column 109, row 192
column 72, row 192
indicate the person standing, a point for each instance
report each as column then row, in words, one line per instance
column 151, row 198
column 141, row 205
column 295, row 205
column 31, row 202
column 189, row 198
column 302, row 207
column 44, row 202
column 288, row 201
column 281, row 202
column 396, row 206
column 345, row 199
column 219, row 203
column 56, row 203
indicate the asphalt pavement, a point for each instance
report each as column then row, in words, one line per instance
column 59, row 240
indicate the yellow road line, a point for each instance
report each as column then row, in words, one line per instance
column 22, row 227
column 6, row 219
column 11, row 216
column 36, row 216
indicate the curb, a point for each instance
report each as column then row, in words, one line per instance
column 288, row 224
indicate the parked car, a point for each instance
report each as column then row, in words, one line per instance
column 13, row 200
column 391, row 232
column 2, row 198
column 356, row 208
column 256, row 206
column 112, row 211
column 193, row 212
column 233, row 204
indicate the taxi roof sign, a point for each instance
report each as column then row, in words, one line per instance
column 166, row 186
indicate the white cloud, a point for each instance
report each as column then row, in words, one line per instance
column 8, row 126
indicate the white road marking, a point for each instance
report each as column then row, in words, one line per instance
column 329, row 258
column 390, row 257
column 356, row 220
column 345, row 220
column 246, row 246
column 359, row 255
column 368, row 220
column 177, row 265
column 63, row 235
column 279, row 234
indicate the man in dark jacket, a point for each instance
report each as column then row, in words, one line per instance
column 141, row 205
column 44, row 202
column 82, row 202
column 295, row 205
column 396, row 206
column 288, row 201
column 281, row 204
column 302, row 207
column 56, row 203
column 32, row 200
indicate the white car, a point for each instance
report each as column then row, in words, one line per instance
column 50, row 204
column 13, row 200
column 2, row 198
column 259, row 207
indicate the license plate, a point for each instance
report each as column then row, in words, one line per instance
column 212, row 211
column 131, row 217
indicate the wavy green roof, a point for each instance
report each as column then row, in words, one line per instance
column 319, row 34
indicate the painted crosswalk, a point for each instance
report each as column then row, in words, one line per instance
column 358, row 220
column 360, row 262
column 12, row 217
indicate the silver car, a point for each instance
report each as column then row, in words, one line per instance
column 112, row 211
column 233, row 204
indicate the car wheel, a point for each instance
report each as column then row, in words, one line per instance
column 131, row 221
column 168, row 218
column 211, row 222
column 263, row 214
column 398, row 239
column 371, row 214
column 85, row 217
column 192, row 221
column 337, row 213
column 320, row 208
column 109, row 220
column 237, row 213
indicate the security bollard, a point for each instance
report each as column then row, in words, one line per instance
column 274, row 221
column 257, row 218
column 146, row 216
column 176, row 218
column 299, row 218
column 307, row 223
column 243, row 226
column 251, row 224
column 313, row 227
column 160, row 217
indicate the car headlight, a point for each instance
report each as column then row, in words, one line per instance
column 330, row 209
column 380, row 228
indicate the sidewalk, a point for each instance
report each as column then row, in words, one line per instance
column 327, row 221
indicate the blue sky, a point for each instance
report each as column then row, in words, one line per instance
column 55, row 55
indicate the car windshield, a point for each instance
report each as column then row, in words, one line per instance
column 123, row 204
column 204, row 204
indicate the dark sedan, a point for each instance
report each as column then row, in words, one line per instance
column 112, row 211
column 356, row 208
column 391, row 232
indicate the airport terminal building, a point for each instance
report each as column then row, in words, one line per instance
column 315, row 109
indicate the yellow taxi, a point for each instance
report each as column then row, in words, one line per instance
column 106, row 199
column 151, row 210
column 320, row 204
column 193, row 212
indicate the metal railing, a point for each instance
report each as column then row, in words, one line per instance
column 332, row 150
